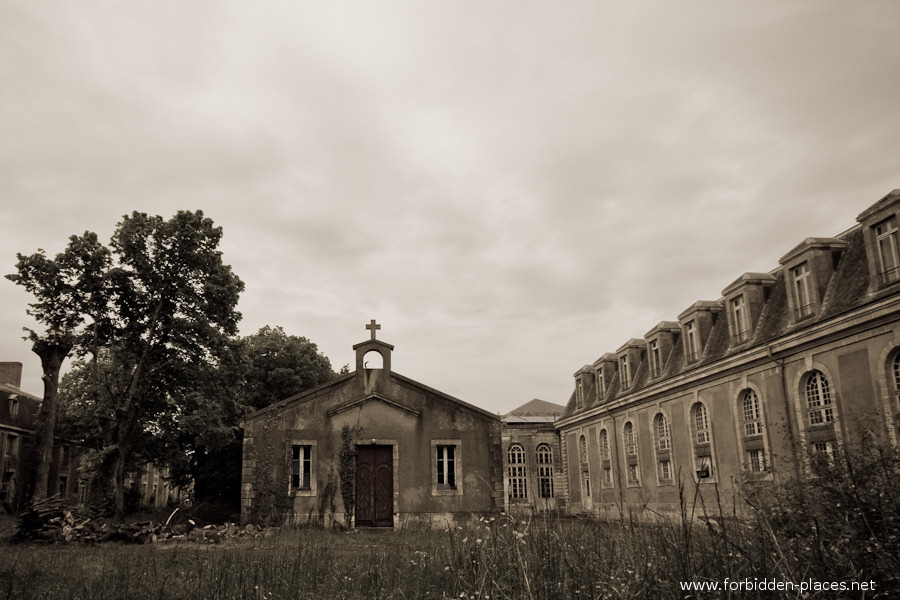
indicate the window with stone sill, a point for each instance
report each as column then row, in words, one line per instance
column 630, row 440
column 301, row 467
column 665, row 470
column 820, row 409
column 655, row 368
column 752, row 420
column 624, row 373
column 756, row 460
column 661, row 427
column 701, row 424
column 545, row 470
column 446, row 467
column 690, row 336
column 518, row 491
column 604, row 445
column 633, row 475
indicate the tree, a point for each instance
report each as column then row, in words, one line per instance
column 281, row 365
column 174, row 308
column 70, row 303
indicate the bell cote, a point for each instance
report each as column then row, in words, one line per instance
column 372, row 352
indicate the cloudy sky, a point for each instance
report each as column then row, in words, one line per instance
column 510, row 188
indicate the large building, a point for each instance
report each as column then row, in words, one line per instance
column 802, row 360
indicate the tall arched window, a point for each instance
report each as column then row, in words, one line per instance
column 703, row 458
column 661, row 428
column 663, row 446
column 750, row 412
column 605, row 457
column 545, row 470
column 630, row 439
column 701, row 424
column 895, row 370
column 582, row 449
column 818, row 399
column 631, row 454
column 517, row 480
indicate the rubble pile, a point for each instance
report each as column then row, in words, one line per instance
column 50, row 520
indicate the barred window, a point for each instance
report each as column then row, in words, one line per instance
column 446, row 467
column 818, row 399
column 751, row 414
column 517, row 478
column 545, row 470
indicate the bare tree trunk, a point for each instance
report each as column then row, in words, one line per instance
column 52, row 350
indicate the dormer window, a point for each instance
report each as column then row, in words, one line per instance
column 741, row 320
column 803, row 289
column 601, row 388
column 888, row 257
column 654, row 358
column 623, row 371
column 691, row 347
column 579, row 394
column 13, row 408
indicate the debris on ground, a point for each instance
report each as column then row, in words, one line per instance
column 51, row 520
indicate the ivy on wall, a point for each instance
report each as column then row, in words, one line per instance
column 347, row 469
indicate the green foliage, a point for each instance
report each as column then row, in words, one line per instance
column 279, row 365
column 347, row 470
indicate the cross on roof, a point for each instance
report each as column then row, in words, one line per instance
column 373, row 327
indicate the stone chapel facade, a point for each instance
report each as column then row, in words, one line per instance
column 417, row 455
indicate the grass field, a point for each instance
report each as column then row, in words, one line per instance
column 841, row 526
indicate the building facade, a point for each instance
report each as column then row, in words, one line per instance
column 799, row 361
column 18, row 412
column 411, row 453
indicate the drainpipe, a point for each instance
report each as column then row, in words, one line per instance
column 787, row 407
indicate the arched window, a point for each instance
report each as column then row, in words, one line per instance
column 750, row 412
column 818, row 399
column 545, row 470
column 604, row 445
column 582, row 449
column 895, row 370
column 517, row 480
column 630, row 439
column 661, row 428
column 701, row 424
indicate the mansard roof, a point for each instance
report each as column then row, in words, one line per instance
column 847, row 290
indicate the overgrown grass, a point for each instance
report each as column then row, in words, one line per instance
column 840, row 526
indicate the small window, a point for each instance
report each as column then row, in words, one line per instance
column 751, row 414
column 12, row 445
column 630, row 440
column 888, row 256
column 661, row 427
column 802, row 290
column 587, row 487
column 818, row 399
column 756, row 461
column 301, row 465
column 545, row 470
column 690, row 336
column 701, row 424
column 446, row 467
column 517, row 479
column 13, row 405
column 607, row 477
column 665, row 470
column 63, row 485
column 655, row 367
column 604, row 445
column 823, row 450
column 741, row 320
column 633, row 478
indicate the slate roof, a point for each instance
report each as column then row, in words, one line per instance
column 847, row 290
column 534, row 411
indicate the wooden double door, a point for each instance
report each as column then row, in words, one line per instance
column 374, row 486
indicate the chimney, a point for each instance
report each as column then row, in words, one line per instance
column 11, row 373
